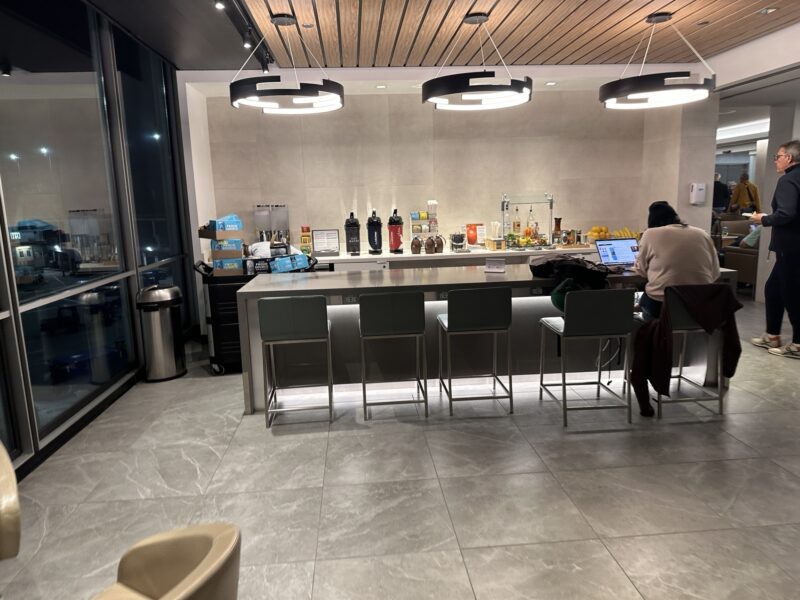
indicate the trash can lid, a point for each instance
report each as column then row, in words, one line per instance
column 90, row 298
column 154, row 296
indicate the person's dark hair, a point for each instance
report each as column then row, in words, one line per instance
column 661, row 213
column 744, row 177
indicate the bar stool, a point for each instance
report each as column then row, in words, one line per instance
column 293, row 320
column 590, row 315
column 683, row 324
column 473, row 312
column 394, row 315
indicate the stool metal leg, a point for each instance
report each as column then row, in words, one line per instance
column 364, row 376
column 424, row 372
column 626, row 391
column 510, row 383
column 542, row 333
column 494, row 362
column 330, row 380
column 267, row 392
column 599, row 364
column 720, row 383
column 564, row 380
column 449, row 374
column 439, row 327
column 681, row 357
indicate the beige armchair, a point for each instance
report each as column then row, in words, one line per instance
column 10, row 523
column 196, row 563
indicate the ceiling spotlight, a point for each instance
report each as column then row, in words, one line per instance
column 274, row 96
column 44, row 151
column 219, row 5
column 13, row 156
column 550, row 83
column 703, row 23
column 659, row 89
column 380, row 87
column 156, row 136
column 5, row 69
column 308, row 25
column 476, row 90
column 767, row 11
column 247, row 41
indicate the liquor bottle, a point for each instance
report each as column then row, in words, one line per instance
column 515, row 224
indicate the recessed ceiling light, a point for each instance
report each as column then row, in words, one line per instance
column 308, row 25
column 767, row 11
column 380, row 87
column 703, row 23
column 219, row 5
column 550, row 83
column 13, row 156
column 45, row 151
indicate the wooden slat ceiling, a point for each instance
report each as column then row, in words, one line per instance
column 413, row 33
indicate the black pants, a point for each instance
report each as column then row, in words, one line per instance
column 650, row 308
column 782, row 291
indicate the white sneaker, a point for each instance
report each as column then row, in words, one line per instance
column 766, row 341
column 789, row 351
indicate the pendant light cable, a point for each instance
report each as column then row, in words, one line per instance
column 291, row 58
column 630, row 60
column 647, row 50
column 247, row 60
column 480, row 41
column 453, row 47
column 496, row 50
column 319, row 65
column 692, row 48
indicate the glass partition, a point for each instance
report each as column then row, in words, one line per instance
column 53, row 152
column 76, row 348
column 7, row 433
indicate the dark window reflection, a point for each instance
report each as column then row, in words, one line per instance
column 142, row 74
column 53, row 149
column 7, row 433
column 165, row 276
column 76, row 348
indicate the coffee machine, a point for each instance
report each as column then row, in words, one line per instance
column 272, row 223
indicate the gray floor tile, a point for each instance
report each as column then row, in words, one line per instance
column 384, row 518
column 378, row 457
column 770, row 433
column 582, row 569
column 500, row 510
column 403, row 418
column 433, row 575
column 93, row 538
column 779, row 543
column 638, row 501
column 292, row 581
column 745, row 492
column 253, row 430
column 277, row 527
column 639, row 447
column 164, row 472
column 487, row 447
column 285, row 464
column 58, row 589
column 790, row 463
column 709, row 565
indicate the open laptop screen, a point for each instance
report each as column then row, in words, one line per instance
column 617, row 252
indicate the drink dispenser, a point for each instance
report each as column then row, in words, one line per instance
column 352, row 235
column 395, row 233
column 374, row 234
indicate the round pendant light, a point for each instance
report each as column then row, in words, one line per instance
column 279, row 95
column 476, row 90
column 657, row 90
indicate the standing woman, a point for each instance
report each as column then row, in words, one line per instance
column 782, row 290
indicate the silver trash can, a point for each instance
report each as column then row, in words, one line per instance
column 93, row 305
column 164, row 354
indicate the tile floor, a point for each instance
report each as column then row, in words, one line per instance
column 482, row 505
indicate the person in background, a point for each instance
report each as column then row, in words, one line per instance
column 745, row 196
column 672, row 253
column 750, row 240
column 782, row 290
column 722, row 195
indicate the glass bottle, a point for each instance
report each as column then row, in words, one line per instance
column 515, row 224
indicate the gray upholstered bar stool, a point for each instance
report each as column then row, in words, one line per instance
column 293, row 320
column 394, row 315
column 484, row 311
column 590, row 315
column 682, row 325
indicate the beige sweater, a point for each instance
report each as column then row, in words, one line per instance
column 676, row 255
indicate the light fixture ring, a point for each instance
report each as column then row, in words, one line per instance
column 658, row 17
column 656, row 90
column 307, row 98
column 441, row 90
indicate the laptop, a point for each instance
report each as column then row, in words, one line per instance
column 618, row 253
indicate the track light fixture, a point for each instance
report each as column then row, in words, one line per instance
column 274, row 96
column 476, row 90
column 247, row 41
column 660, row 89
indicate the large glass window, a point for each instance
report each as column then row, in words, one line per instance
column 76, row 348
column 7, row 434
column 144, row 96
column 53, row 149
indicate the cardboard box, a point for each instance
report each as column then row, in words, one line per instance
column 207, row 234
column 225, row 254
column 229, row 264
column 226, row 244
column 230, row 222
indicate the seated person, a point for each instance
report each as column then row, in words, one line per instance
column 750, row 240
column 672, row 253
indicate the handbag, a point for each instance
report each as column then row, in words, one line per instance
column 559, row 295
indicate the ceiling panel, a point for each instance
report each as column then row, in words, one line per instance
column 367, row 33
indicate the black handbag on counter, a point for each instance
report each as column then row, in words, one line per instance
column 584, row 273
